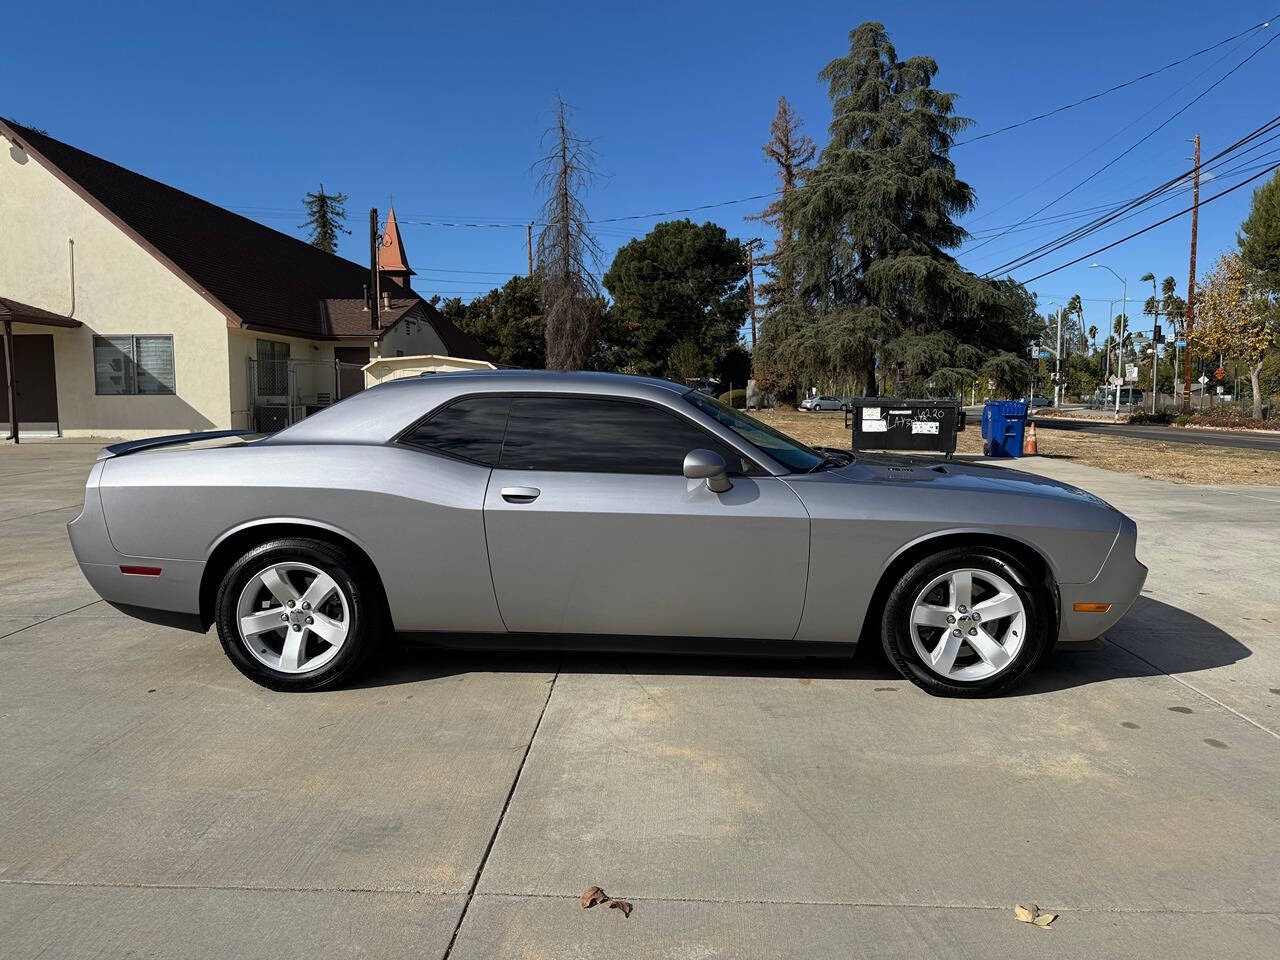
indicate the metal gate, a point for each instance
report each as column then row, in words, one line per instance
column 284, row 391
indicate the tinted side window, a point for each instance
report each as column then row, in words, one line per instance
column 587, row 435
column 471, row 429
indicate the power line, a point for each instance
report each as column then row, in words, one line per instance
column 1091, row 151
column 1158, row 223
column 1119, row 86
column 1181, row 110
column 1101, row 222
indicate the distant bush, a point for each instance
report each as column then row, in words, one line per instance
column 1229, row 419
column 1142, row 416
column 1182, row 419
column 734, row 398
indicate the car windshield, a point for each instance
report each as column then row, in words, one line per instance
column 791, row 454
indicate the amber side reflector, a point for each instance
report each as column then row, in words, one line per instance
column 1091, row 607
column 141, row 571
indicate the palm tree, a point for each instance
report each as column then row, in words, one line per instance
column 1093, row 338
column 1074, row 305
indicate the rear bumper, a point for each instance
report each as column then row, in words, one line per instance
column 1118, row 583
column 175, row 590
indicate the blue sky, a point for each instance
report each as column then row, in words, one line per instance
column 443, row 106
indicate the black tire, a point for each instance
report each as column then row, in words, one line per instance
column 896, row 624
column 364, row 611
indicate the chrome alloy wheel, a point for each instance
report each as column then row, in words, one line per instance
column 293, row 617
column 968, row 624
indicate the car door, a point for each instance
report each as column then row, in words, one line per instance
column 593, row 529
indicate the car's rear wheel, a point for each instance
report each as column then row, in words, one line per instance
column 297, row 614
column 966, row 622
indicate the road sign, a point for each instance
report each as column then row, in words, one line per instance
column 1045, row 354
column 991, row 384
column 1131, row 371
column 1179, row 343
column 1116, row 381
column 1203, row 379
column 1219, row 373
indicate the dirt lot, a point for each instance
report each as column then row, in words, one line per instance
column 1175, row 462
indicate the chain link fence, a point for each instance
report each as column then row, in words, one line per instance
column 284, row 391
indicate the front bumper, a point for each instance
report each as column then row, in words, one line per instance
column 1118, row 583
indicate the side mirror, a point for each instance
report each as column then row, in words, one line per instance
column 709, row 466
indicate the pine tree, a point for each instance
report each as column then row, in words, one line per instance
column 873, row 222
column 326, row 214
column 790, row 151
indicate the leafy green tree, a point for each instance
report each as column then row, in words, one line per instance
column 326, row 214
column 680, row 282
column 873, row 221
column 507, row 322
column 1259, row 238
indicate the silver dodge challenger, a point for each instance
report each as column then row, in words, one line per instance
column 517, row 508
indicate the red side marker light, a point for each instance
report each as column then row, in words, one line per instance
column 140, row 571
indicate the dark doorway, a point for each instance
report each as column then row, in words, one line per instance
column 35, row 384
column 350, row 375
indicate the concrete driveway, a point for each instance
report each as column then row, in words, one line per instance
column 155, row 803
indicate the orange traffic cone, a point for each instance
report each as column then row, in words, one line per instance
column 1029, row 446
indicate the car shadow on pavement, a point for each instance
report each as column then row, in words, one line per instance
column 1154, row 638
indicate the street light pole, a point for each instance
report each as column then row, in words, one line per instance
column 1058, row 392
column 1124, row 317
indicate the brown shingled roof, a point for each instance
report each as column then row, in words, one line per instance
column 258, row 276
column 25, row 313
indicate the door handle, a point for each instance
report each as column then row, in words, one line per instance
column 520, row 494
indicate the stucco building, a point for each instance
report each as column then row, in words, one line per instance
column 134, row 309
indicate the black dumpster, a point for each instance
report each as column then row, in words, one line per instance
column 888, row 423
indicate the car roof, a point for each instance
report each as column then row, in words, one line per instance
column 379, row 413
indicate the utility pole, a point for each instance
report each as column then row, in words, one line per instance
column 373, row 265
column 528, row 240
column 1191, row 283
column 1057, row 366
column 750, row 246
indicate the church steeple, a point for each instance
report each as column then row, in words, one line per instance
column 393, row 265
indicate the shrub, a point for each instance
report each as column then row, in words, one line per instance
column 734, row 398
column 1182, row 419
column 1142, row 416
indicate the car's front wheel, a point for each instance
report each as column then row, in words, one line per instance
column 966, row 622
column 297, row 614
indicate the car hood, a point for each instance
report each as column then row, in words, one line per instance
column 954, row 475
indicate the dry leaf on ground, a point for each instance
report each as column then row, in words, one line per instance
column 1033, row 915
column 593, row 895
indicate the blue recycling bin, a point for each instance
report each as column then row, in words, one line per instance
column 1004, row 422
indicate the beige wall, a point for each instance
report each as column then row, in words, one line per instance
column 119, row 289
column 420, row 342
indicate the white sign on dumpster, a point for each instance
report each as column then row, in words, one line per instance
column 924, row 426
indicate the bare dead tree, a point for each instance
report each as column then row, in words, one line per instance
column 567, row 252
column 790, row 150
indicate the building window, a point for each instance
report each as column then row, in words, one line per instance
column 136, row 365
